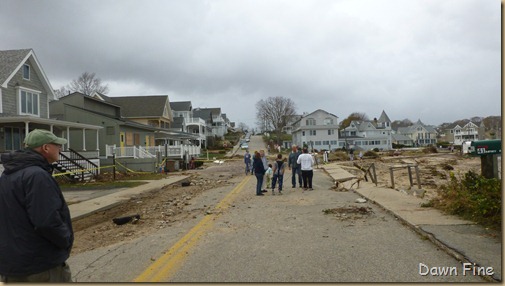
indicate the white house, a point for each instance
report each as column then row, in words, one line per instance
column 421, row 134
column 368, row 135
column 317, row 130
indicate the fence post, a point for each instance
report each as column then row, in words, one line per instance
column 114, row 165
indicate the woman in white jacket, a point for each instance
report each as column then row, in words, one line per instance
column 307, row 162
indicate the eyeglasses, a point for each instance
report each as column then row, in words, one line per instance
column 57, row 145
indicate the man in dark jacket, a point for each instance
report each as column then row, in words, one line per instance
column 36, row 234
column 295, row 167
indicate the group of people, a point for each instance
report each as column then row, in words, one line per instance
column 300, row 162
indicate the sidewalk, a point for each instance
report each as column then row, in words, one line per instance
column 465, row 240
column 85, row 203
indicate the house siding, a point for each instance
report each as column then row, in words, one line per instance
column 321, row 140
column 11, row 94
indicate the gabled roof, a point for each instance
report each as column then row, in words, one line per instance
column 215, row 111
column 413, row 128
column 141, row 106
column 181, row 106
column 384, row 117
column 203, row 114
column 309, row 114
column 11, row 61
column 100, row 96
column 319, row 110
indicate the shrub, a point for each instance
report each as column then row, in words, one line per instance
column 472, row 197
column 430, row 149
column 371, row 154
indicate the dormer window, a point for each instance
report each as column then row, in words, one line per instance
column 26, row 72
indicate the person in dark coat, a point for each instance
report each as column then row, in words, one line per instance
column 259, row 172
column 37, row 235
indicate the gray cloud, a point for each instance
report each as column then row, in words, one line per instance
column 422, row 59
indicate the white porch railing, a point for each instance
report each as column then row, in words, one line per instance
column 150, row 152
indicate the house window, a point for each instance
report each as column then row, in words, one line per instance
column 328, row 121
column 303, row 133
column 310, row 122
column 331, row 132
column 13, row 138
column 312, row 132
column 26, row 72
column 29, row 103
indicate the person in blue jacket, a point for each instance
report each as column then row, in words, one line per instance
column 259, row 172
column 36, row 234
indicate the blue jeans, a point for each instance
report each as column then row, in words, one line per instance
column 296, row 171
column 274, row 180
column 259, row 183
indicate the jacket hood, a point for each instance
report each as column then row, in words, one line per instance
column 18, row 160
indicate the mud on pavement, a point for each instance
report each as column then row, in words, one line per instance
column 157, row 209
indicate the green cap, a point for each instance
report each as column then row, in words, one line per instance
column 39, row 137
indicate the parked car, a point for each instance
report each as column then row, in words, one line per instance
column 244, row 146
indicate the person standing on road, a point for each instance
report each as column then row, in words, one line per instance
column 265, row 166
column 247, row 161
column 278, row 171
column 37, row 234
column 268, row 175
column 294, row 166
column 307, row 162
column 259, row 172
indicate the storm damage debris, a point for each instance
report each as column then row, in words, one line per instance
column 352, row 212
column 126, row 219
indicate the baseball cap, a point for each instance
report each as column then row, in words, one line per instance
column 39, row 137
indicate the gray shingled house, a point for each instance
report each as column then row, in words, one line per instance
column 25, row 94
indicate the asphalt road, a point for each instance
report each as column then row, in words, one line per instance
column 240, row 237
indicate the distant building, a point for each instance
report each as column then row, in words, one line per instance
column 421, row 134
column 317, row 130
column 367, row 135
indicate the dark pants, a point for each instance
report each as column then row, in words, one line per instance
column 274, row 181
column 307, row 178
column 60, row 273
column 296, row 171
column 259, row 183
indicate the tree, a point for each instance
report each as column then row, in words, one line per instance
column 273, row 113
column 356, row 116
column 86, row 84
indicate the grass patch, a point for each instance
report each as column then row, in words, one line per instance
column 100, row 185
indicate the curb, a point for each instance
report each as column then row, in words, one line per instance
column 431, row 237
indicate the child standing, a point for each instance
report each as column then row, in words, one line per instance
column 268, row 175
column 278, row 171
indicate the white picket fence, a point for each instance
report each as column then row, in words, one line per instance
column 150, row 152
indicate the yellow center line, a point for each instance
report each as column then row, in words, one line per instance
column 172, row 260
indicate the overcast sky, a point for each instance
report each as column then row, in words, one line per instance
column 434, row 60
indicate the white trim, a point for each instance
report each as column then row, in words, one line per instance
column 1, row 107
column 38, row 67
